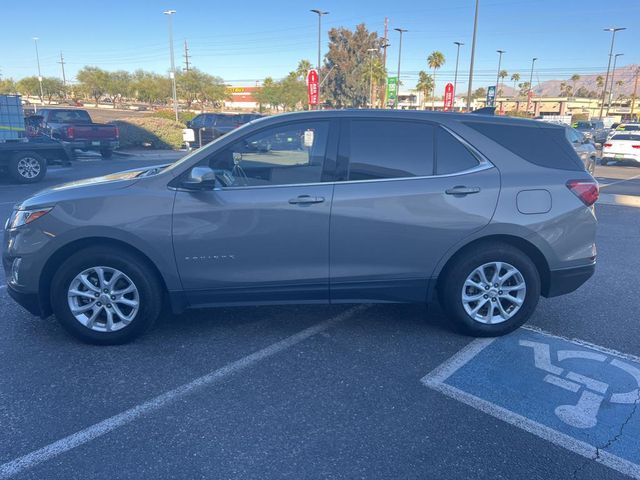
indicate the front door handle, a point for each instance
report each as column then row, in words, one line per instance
column 462, row 190
column 305, row 200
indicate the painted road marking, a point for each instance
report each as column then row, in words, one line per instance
column 97, row 430
column 576, row 395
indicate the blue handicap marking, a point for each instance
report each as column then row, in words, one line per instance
column 577, row 395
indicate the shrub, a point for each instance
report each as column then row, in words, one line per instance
column 150, row 132
column 579, row 117
column 183, row 117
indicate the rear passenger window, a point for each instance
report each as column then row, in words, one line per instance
column 451, row 155
column 543, row 145
column 390, row 149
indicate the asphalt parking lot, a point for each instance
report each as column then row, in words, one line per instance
column 372, row 391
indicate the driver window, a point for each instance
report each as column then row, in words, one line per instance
column 281, row 155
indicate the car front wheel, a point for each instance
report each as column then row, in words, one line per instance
column 105, row 296
column 490, row 290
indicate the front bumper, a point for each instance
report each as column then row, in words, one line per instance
column 568, row 280
column 29, row 301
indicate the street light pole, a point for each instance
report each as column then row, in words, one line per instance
column 169, row 14
column 401, row 31
column 320, row 13
column 455, row 77
column 500, row 52
column 533, row 61
column 613, row 85
column 35, row 41
column 613, row 31
column 473, row 53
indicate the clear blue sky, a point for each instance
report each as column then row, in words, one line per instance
column 245, row 41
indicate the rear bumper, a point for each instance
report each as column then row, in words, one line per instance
column 568, row 280
column 92, row 144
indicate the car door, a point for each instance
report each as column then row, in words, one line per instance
column 407, row 192
column 262, row 235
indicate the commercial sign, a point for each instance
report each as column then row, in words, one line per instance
column 491, row 96
column 449, row 95
column 392, row 90
column 312, row 86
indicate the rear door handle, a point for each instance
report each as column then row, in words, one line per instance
column 305, row 200
column 462, row 190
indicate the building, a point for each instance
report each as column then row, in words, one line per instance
column 241, row 99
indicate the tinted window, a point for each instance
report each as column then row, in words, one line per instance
column 225, row 121
column 544, row 145
column 198, row 122
column 69, row 116
column 584, row 125
column 451, row 155
column 282, row 155
column 390, row 149
column 624, row 136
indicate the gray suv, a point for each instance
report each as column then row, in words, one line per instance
column 484, row 213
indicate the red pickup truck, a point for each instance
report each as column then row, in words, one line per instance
column 75, row 129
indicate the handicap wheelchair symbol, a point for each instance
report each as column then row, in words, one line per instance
column 584, row 414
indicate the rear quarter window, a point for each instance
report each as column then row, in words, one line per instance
column 546, row 146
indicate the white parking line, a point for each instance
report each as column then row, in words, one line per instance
column 624, row 200
column 605, row 185
column 54, row 449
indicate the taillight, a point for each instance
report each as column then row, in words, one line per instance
column 608, row 145
column 585, row 190
column 635, row 146
column 70, row 132
column 117, row 133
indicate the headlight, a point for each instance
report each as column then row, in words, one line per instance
column 24, row 217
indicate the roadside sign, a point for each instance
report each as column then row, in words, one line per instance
column 312, row 86
column 491, row 96
column 576, row 395
column 392, row 91
column 449, row 95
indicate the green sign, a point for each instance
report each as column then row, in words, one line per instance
column 392, row 90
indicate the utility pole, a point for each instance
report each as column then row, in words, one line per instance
column 186, row 55
column 500, row 52
column 473, row 53
column 613, row 31
column 64, row 77
column 401, row 31
column 635, row 92
column 455, row 77
column 169, row 14
column 386, row 43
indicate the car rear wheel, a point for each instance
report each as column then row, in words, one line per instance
column 490, row 290
column 28, row 167
column 105, row 296
column 106, row 153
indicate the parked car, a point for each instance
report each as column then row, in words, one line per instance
column 209, row 126
column 622, row 146
column 484, row 213
column 243, row 118
column 593, row 129
column 623, row 127
column 75, row 129
column 584, row 147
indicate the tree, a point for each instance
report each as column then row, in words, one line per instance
column 425, row 85
column 435, row 60
column 118, row 86
column 28, row 86
column 479, row 93
column 150, row 87
column 94, row 82
column 196, row 86
column 269, row 93
column 582, row 92
column 7, row 86
column 502, row 75
column 303, row 68
column 524, row 87
column 347, row 85
column 574, row 79
column 52, row 87
column 600, row 81
column 515, row 78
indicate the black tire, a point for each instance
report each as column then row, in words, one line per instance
column 106, row 153
column 453, row 278
column 27, row 167
column 143, row 276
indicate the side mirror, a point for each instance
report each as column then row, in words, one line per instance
column 200, row 178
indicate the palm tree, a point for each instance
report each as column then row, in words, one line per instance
column 502, row 75
column 303, row 68
column 574, row 79
column 376, row 74
column 425, row 85
column 515, row 78
column 435, row 60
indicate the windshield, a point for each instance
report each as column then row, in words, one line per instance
column 623, row 136
column 69, row 116
column 583, row 125
column 225, row 121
